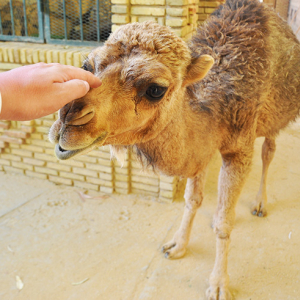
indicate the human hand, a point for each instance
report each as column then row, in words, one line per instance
column 38, row 90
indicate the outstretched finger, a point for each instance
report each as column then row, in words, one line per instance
column 70, row 72
column 69, row 91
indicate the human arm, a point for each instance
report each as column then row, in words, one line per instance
column 38, row 90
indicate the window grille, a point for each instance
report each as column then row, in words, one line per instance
column 70, row 22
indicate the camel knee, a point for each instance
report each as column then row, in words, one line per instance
column 193, row 203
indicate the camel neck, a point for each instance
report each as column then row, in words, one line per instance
column 183, row 146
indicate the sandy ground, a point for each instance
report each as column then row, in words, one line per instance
column 62, row 247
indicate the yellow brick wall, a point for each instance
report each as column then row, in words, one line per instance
column 25, row 148
column 183, row 16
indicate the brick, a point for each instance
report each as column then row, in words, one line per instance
column 123, row 171
column 167, row 186
column 193, row 19
column 41, row 143
column 42, row 55
column 46, row 171
column 120, row 19
column 145, row 187
column 37, row 136
column 99, row 181
column 77, row 60
column 177, row 2
column 209, row 10
column 86, row 158
column 34, row 162
column 3, row 144
column 106, row 190
column 60, row 180
column 55, row 56
column 181, row 32
column 120, row 1
column 28, row 123
column 144, row 19
column 177, row 11
column 21, row 165
column 134, row 19
column 143, row 192
column 121, row 177
column 106, row 176
column 4, row 162
column 166, row 194
column 176, row 22
column 202, row 17
column 4, row 125
column 100, row 168
column 85, row 185
column 145, row 180
column 104, row 155
column 42, row 129
column 85, row 172
column 10, row 157
column 209, row 3
column 148, row 2
column 46, row 157
column 72, row 176
column 11, row 140
column 62, row 57
column 32, row 148
column 13, row 170
column 58, row 166
column 105, row 162
column 119, row 9
column 161, row 21
column 49, row 56
column 147, row 11
column 69, row 58
column 36, row 175
column 35, row 56
column 22, row 152
column 121, row 184
column 73, row 163
column 27, row 129
column 168, row 179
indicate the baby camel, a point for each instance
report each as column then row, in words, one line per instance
column 237, row 79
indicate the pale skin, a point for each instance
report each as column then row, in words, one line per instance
column 34, row 91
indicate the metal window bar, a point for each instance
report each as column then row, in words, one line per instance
column 25, row 38
column 25, row 18
column 85, row 20
column 12, row 17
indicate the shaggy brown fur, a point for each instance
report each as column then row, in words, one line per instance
column 238, row 79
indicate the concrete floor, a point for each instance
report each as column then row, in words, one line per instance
column 61, row 246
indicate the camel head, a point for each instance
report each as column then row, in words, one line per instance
column 145, row 69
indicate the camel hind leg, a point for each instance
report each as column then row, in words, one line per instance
column 268, row 151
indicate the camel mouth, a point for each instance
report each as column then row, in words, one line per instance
column 64, row 154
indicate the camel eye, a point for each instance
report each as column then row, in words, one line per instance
column 155, row 92
column 87, row 67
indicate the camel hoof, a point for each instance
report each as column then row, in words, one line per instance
column 218, row 293
column 259, row 211
column 173, row 250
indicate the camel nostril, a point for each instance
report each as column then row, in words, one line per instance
column 83, row 118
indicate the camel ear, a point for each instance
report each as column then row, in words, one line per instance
column 198, row 69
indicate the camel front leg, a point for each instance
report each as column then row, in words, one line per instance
column 267, row 154
column 193, row 198
column 232, row 176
